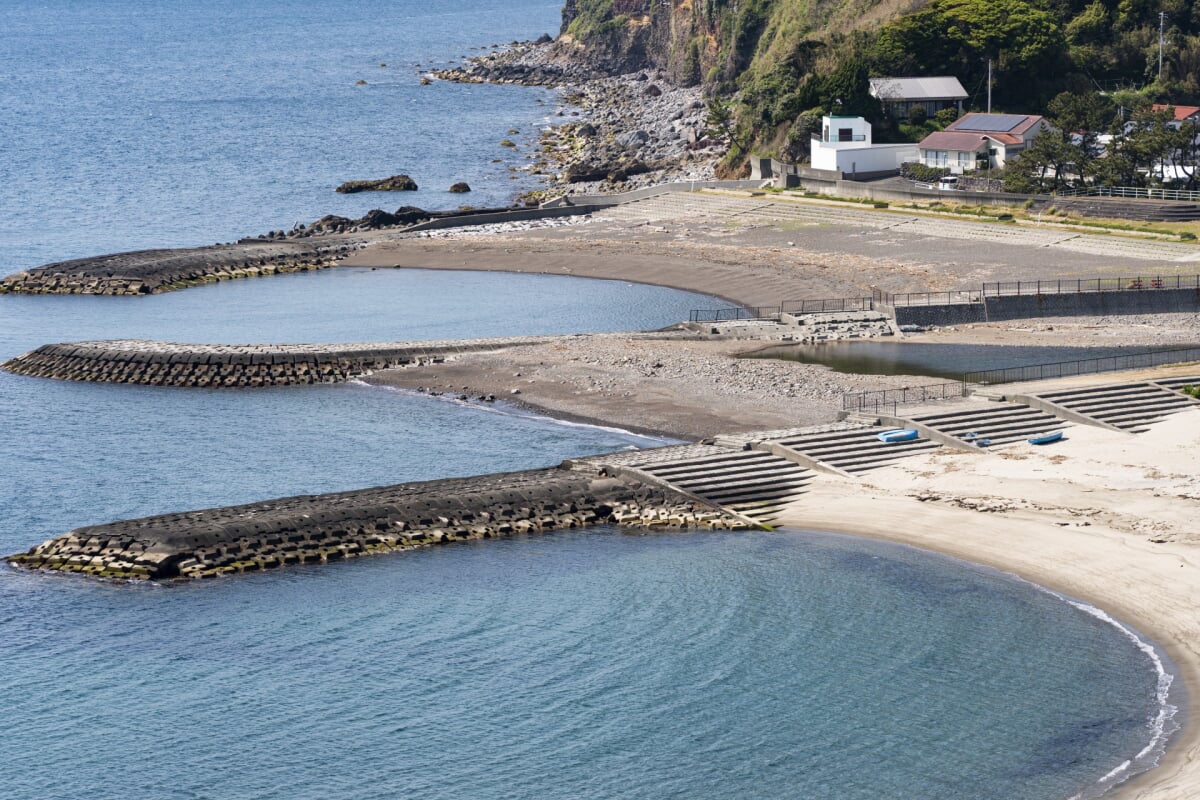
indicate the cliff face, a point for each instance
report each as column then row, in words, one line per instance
column 620, row 36
column 697, row 41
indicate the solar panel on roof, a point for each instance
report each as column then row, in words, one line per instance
column 989, row 122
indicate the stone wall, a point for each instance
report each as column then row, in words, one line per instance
column 317, row 529
column 234, row 366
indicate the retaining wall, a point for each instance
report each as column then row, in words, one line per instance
column 322, row 528
column 1082, row 304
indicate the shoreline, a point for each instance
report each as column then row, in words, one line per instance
column 1093, row 555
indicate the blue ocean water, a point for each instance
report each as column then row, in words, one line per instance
column 127, row 124
column 593, row 664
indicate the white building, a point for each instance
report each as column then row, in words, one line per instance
column 844, row 145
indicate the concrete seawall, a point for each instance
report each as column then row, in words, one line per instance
column 237, row 366
column 1065, row 304
column 314, row 529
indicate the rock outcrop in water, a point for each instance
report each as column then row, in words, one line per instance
column 396, row 183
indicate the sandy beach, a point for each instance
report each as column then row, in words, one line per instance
column 1104, row 517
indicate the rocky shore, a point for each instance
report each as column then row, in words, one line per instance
column 617, row 132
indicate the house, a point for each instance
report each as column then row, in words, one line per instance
column 844, row 145
column 900, row 95
column 980, row 141
column 1182, row 113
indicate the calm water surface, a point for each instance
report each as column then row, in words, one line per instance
column 594, row 664
column 949, row 361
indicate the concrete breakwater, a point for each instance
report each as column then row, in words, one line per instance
column 156, row 271
column 237, row 366
column 322, row 528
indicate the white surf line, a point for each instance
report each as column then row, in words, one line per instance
column 1164, row 723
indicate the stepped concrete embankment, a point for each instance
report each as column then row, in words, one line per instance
column 237, row 366
column 156, row 271
column 316, row 529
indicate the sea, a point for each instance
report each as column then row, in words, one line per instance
column 605, row 663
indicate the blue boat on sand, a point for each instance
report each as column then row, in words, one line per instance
column 1045, row 438
column 901, row 435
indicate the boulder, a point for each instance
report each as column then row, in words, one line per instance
column 396, row 183
column 460, row 188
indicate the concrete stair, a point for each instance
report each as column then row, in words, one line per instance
column 1128, row 406
column 1000, row 423
column 1177, row 384
column 752, row 483
column 855, row 450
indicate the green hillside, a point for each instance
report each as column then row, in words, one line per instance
column 781, row 63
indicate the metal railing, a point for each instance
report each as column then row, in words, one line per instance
column 1074, row 285
column 1130, row 192
column 772, row 312
column 733, row 313
column 1084, row 366
column 827, row 305
column 926, row 298
column 889, row 399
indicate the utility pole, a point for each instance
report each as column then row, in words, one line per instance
column 990, row 80
column 1162, row 16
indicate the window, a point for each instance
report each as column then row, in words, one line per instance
column 845, row 134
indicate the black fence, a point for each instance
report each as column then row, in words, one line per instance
column 1085, row 366
column 1076, row 286
column 825, row 306
column 877, row 402
column 926, row 298
column 732, row 313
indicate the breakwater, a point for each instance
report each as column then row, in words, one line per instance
column 315, row 529
column 135, row 361
column 156, row 271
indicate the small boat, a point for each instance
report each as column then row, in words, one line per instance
column 1046, row 438
column 901, row 435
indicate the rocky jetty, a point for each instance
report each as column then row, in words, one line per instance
column 238, row 366
column 317, row 529
column 396, row 183
column 155, row 271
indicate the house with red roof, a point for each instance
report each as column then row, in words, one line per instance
column 980, row 141
column 1182, row 113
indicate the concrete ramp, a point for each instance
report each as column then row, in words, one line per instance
column 752, row 483
column 1131, row 407
column 996, row 423
column 853, row 450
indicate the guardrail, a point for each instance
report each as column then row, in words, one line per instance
column 1084, row 366
column 1130, row 192
column 1075, row 286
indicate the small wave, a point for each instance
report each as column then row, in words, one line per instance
column 1164, row 723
